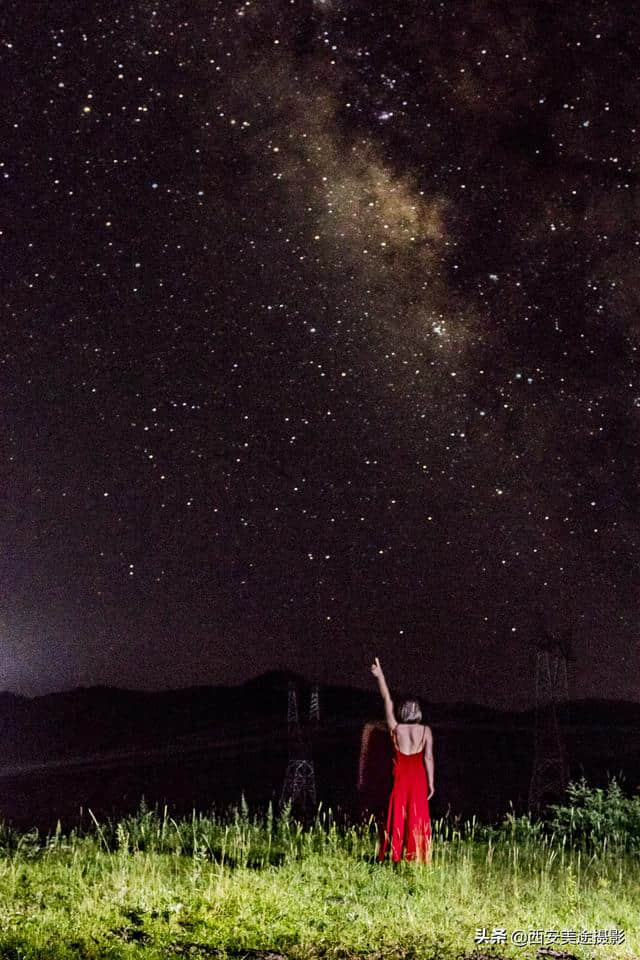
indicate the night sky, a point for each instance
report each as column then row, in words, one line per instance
column 319, row 340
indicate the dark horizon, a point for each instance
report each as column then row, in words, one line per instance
column 105, row 749
column 279, row 678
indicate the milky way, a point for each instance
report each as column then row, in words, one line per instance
column 319, row 341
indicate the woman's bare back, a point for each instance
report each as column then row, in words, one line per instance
column 410, row 737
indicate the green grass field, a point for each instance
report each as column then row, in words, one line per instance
column 244, row 886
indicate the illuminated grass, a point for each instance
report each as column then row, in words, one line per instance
column 234, row 885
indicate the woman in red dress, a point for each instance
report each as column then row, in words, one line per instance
column 408, row 820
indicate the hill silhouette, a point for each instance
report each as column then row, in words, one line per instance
column 104, row 747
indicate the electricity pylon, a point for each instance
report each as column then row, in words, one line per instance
column 550, row 773
column 299, row 788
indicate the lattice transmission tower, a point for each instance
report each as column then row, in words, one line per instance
column 550, row 773
column 299, row 786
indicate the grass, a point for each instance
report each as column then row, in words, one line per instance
column 232, row 885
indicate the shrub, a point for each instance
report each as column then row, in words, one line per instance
column 595, row 817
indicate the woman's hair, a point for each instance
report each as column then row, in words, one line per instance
column 410, row 712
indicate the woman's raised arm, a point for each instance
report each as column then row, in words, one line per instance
column 376, row 670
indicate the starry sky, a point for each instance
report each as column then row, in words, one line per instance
column 319, row 341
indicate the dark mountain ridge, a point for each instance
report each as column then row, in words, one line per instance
column 103, row 748
column 88, row 720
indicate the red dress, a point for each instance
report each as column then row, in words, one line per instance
column 408, row 820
